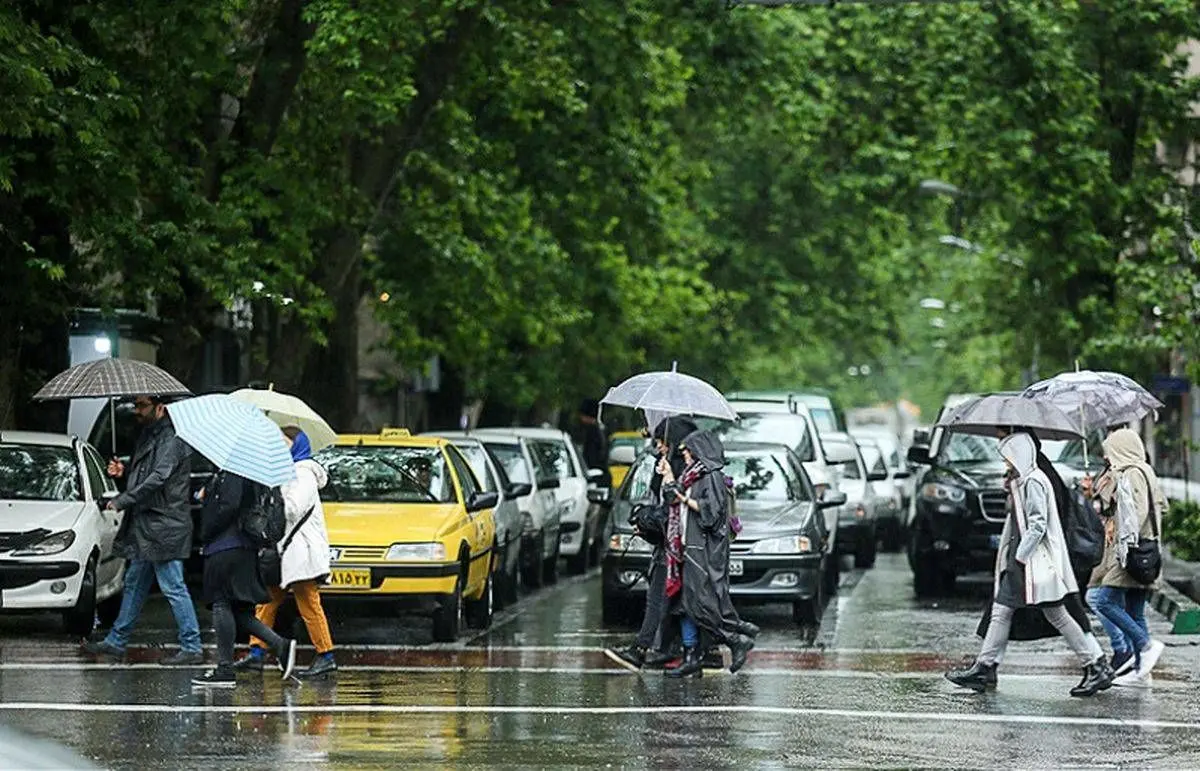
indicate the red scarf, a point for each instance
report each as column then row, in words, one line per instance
column 675, row 530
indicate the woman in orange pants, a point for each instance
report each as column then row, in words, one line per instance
column 304, row 558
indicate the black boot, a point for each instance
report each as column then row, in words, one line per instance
column 748, row 629
column 1097, row 676
column 979, row 678
column 739, row 646
column 322, row 666
column 693, row 664
column 632, row 658
column 658, row 659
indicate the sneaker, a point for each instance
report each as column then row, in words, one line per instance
column 103, row 648
column 221, row 677
column 287, row 659
column 1122, row 662
column 630, row 658
column 183, row 659
column 1150, row 656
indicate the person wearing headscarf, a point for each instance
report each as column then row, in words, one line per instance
column 1129, row 493
column 303, row 558
column 697, row 546
column 1033, row 569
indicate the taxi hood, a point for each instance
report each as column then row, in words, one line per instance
column 383, row 524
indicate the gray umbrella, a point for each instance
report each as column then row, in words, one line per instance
column 109, row 378
column 1095, row 399
column 985, row 415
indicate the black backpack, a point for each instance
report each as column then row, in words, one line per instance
column 1083, row 532
column 265, row 521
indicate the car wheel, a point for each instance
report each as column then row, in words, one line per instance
column 499, row 576
column 448, row 618
column 892, row 540
column 868, row 548
column 578, row 564
column 479, row 612
column 511, row 578
column 808, row 612
column 81, row 619
column 550, row 567
column 531, row 568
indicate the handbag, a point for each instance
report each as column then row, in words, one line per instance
column 1143, row 562
column 650, row 521
column 270, row 559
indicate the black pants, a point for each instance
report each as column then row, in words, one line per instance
column 228, row 618
column 656, row 610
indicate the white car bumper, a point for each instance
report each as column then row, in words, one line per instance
column 35, row 583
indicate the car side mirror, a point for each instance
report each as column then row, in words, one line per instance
column 919, row 456
column 599, row 495
column 901, row 474
column 921, row 436
column 518, row 489
column 594, row 475
column 832, row 499
column 480, row 500
column 878, row 476
column 623, row 455
column 548, row 484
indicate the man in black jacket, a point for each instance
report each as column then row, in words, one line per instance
column 156, row 532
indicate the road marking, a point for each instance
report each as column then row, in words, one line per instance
column 957, row 651
column 566, row 711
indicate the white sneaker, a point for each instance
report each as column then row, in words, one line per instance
column 1134, row 680
column 1150, row 656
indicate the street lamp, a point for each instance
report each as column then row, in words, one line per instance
column 938, row 187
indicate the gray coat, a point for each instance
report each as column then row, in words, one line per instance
column 158, row 519
column 705, row 597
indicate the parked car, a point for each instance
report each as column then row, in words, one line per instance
column 623, row 448
column 56, row 549
column 784, row 554
column 489, row 473
column 788, row 423
column 555, row 455
column 894, row 457
column 958, row 511
column 408, row 524
column 825, row 413
column 858, row 518
column 541, row 512
column 888, row 491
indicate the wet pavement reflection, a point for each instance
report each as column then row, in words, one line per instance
column 862, row 690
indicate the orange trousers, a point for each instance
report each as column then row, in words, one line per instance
column 308, row 600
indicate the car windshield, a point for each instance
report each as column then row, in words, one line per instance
column 511, row 461
column 968, row 448
column 386, row 474
column 824, row 418
column 761, row 478
column 1072, row 453
column 637, row 483
column 477, row 459
column 771, row 428
column 39, row 473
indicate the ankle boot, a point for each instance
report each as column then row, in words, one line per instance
column 739, row 646
column 693, row 664
column 748, row 629
column 979, row 677
column 1097, row 677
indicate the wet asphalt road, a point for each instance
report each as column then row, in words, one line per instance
column 864, row 690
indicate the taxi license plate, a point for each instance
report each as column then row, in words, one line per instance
column 350, row 579
column 735, row 567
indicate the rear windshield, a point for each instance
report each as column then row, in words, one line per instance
column 38, row 473
column 771, row 428
column 512, row 461
column 763, row 478
column 386, row 475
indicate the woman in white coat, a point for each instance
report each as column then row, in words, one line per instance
column 304, row 559
column 1033, row 569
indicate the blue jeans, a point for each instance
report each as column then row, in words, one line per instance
column 139, row 575
column 1122, row 613
column 690, row 632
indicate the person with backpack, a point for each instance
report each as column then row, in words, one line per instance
column 303, row 561
column 239, row 518
column 1133, row 502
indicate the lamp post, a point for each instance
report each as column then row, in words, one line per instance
column 938, row 187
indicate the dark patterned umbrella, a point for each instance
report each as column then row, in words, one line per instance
column 109, row 378
column 985, row 415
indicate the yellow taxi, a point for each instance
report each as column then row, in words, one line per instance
column 408, row 521
column 623, row 448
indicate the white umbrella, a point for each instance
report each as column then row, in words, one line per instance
column 670, row 393
column 285, row 409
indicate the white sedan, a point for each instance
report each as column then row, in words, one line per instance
column 56, row 542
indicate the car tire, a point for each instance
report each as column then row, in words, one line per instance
column 81, row 619
column 868, row 549
column 512, row 580
column 531, row 570
column 448, row 617
column 479, row 612
column 890, row 538
column 808, row 612
column 578, row 564
column 550, row 566
column 108, row 610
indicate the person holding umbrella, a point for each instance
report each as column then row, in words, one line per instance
column 156, row 533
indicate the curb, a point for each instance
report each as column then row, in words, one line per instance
column 1183, row 614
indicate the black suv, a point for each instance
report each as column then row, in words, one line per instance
column 957, row 513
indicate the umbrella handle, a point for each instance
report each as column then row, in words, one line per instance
column 112, row 419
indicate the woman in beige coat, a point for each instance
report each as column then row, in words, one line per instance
column 1129, row 492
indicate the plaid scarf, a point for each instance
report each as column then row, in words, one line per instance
column 675, row 530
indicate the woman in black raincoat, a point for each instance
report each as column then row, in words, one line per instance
column 697, row 579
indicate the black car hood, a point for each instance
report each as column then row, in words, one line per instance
column 761, row 519
column 973, row 476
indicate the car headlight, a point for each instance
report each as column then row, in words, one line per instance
column 937, row 492
column 417, row 551
column 51, row 544
column 790, row 544
column 629, row 542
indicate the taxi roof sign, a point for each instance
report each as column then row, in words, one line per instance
column 394, row 433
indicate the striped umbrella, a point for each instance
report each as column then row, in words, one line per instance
column 234, row 436
column 108, row 378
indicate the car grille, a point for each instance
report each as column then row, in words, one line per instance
column 352, row 553
column 993, row 505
